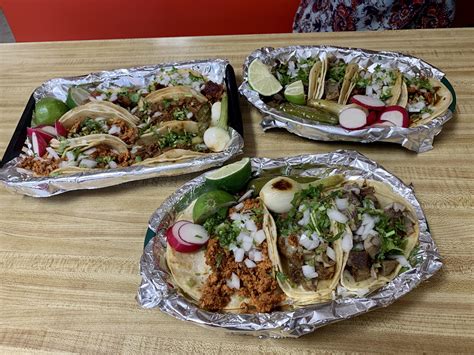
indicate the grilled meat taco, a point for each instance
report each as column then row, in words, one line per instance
column 384, row 84
column 173, row 141
column 233, row 271
column 337, row 79
column 100, row 117
column 306, row 242
column 424, row 98
column 385, row 230
column 173, row 103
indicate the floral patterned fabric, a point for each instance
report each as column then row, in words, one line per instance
column 355, row 15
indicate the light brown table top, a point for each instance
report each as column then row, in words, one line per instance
column 69, row 265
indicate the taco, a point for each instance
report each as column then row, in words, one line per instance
column 306, row 242
column 384, row 84
column 385, row 230
column 100, row 117
column 175, row 103
column 424, row 98
column 172, row 141
column 337, row 79
column 233, row 272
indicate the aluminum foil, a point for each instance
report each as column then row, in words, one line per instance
column 419, row 139
column 20, row 182
column 158, row 291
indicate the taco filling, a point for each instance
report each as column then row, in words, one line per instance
column 237, row 254
column 306, row 238
column 423, row 96
column 334, row 79
column 380, row 234
column 384, row 84
column 113, row 126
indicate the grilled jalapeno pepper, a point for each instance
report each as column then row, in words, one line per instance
column 309, row 113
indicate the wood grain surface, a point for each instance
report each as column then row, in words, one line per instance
column 69, row 265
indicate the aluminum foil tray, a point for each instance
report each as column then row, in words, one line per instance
column 158, row 291
column 418, row 139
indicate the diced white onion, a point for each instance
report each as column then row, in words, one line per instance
column 342, row 203
column 233, row 282
column 251, row 254
column 235, row 216
column 114, row 129
column 249, row 263
column 309, row 272
column 189, row 115
column 232, row 246
column 52, row 153
column 251, row 226
column 70, row 156
column 157, row 114
column 89, row 151
column 245, row 195
column 331, row 253
column 112, row 164
column 88, row 163
column 257, row 256
column 347, row 242
column 308, row 243
column 239, row 206
column 337, row 216
column 239, row 254
column 259, row 236
column 247, row 245
column 305, row 220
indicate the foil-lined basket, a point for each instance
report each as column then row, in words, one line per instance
column 419, row 139
column 21, row 182
column 157, row 289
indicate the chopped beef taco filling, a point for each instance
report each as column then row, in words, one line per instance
column 237, row 254
column 306, row 236
column 39, row 166
column 334, row 78
column 213, row 91
column 422, row 97
column 378, row 234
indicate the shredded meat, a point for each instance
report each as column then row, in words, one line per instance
column 102, row 150
column 167, row 108
column 39, row 166
column 257, row 283
column 388, row 266
column 127, row 133
column 325, row 273
column 213, row 91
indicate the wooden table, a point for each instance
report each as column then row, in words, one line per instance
column 69, row 264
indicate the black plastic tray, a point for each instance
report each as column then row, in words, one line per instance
column 19, row 135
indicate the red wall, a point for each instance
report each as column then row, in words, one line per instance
column 57, row 20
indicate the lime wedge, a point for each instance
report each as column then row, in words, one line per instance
column 232, row 177
column 77, row 96
column 262, row 80
column 48, row 110
column 209, row 203
column 294, row 93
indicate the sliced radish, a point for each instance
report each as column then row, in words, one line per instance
column 39, row 144
column 369, row 102
column 193, row 234
column 176, row 242
column 353, row 118
column 48, row 129
column 397, row 115
column 46, row 136
column 372, row 118
column 60, row 130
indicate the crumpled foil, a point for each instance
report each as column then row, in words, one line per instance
column 158, row 291
column 25, row 184
column 419, row 139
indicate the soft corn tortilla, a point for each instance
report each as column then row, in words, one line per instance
column 385, row 196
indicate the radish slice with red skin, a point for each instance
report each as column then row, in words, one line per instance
column 193, row 234
column 369, row 102
column 48, row 129
column 353, row 118
column 372, row 118
column 39, row 144
column 397, row 115
column 176, row 242
column 46, row 136
column 60, row 130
